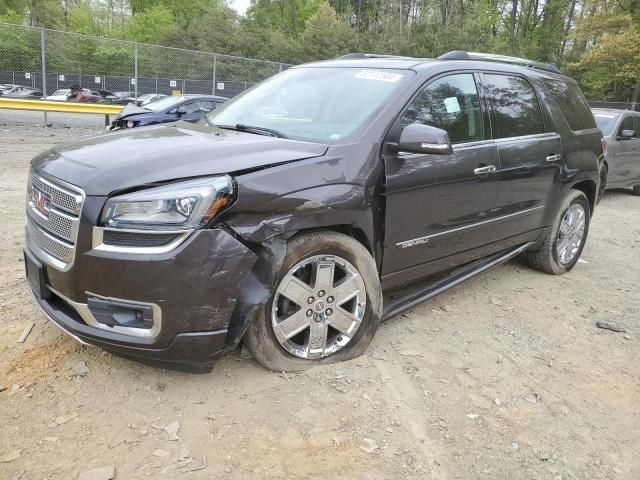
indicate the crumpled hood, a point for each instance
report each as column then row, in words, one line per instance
column 131, row 158
column 132, row 109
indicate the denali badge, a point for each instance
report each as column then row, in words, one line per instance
column 40, row 201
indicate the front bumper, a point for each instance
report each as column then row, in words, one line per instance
column 193, row 290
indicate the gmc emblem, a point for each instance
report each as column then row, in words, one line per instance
column 40, row 201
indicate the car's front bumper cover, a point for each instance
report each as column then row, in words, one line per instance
column 194, row 288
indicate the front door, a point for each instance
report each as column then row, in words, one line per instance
column 438, row 207
column 625, row 154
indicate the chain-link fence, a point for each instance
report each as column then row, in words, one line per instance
column 50, row 60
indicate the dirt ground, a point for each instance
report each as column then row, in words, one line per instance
column 504, row 377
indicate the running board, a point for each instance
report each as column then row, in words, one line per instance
column 457, row 276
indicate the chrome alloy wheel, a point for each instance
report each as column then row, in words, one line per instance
column 570, row 233
column 318, row 307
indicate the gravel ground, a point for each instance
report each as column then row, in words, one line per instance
column 504, row 377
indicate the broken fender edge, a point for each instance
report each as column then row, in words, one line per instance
column 255, row 289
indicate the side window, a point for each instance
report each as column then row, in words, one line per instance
column 206, row 106
column 450, row 103
column 626, row 124
column 636, row 125
column 515, row 105
column 191, row 107
column 573, row 105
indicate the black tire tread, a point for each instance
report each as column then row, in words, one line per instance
column 543, row 257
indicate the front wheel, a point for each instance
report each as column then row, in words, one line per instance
column 326, row 305
column 565, row 239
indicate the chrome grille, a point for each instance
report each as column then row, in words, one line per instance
column 61, row 197
column 53, row 216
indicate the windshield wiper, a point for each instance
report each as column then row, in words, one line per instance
column 254, row 129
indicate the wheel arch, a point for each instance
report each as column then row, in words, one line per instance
column 590, row 189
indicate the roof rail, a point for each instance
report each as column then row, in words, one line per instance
column 367, row 55
column 490, row 57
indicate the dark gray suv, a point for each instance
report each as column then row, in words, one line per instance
column 281, row 219
column 621, row 130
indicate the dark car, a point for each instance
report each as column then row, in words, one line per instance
column 189, row 108
column 281, row 220
column 123, row 98
column 621, row 130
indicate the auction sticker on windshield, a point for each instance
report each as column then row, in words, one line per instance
column 377, row 75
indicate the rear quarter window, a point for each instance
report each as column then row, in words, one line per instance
column 573, row 105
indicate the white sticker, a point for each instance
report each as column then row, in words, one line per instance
column 96, row 79
column 452, row 105
column 220, row 86
column 133, row 81
column 173, row 83
column 27, row 75
column 379, row 76
column 61, row 78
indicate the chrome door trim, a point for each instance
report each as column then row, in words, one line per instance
column 422, row 240
column 527, row 137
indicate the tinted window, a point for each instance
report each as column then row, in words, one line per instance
column 450, row 103
column 626, row 124
column 572, row 103
column 515, row 106
column 605, row 121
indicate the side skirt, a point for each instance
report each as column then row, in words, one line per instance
column 457, row 276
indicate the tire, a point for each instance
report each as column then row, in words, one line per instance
column 636, row 190
column 546, row 258
column 306, row 254
column 604, row 173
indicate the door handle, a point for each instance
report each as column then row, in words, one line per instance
column 554, row 157
column 484, row 170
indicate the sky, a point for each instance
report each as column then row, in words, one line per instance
column 239, row 6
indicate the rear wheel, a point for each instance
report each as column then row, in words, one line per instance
column 325, row 308
column 564, row 240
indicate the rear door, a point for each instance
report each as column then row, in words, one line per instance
column 530, row 158
column 623, row 154
column 438, row 207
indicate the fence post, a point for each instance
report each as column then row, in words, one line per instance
column 44, row 70
column 280, row 69
column 135, row 71
column 215, row 65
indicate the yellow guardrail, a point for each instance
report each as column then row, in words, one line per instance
column 64, row 107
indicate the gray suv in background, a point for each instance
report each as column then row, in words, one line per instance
column 281, row 218
column 621, row 142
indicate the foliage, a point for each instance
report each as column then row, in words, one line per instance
column 597, row 41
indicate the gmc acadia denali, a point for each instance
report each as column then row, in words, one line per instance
column 282, row 217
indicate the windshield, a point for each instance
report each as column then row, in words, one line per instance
column 605, row 121
column 322, row 104
column 60, row 92
column 164, row 103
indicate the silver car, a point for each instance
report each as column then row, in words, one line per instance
column 621, row 131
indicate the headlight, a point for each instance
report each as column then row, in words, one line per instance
column 131, row 124
column 178, row 206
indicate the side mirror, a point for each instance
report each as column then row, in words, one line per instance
column 419, row 138
column 181, row 111
column 627, row 134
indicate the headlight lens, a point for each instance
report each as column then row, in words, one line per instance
column 178, row 206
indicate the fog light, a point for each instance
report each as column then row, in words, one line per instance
column 131, row 124
column 121, row 314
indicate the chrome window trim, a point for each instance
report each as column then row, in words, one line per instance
column 527, row 137
column 89, row 319
column 97, row 241
column 422, row 240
